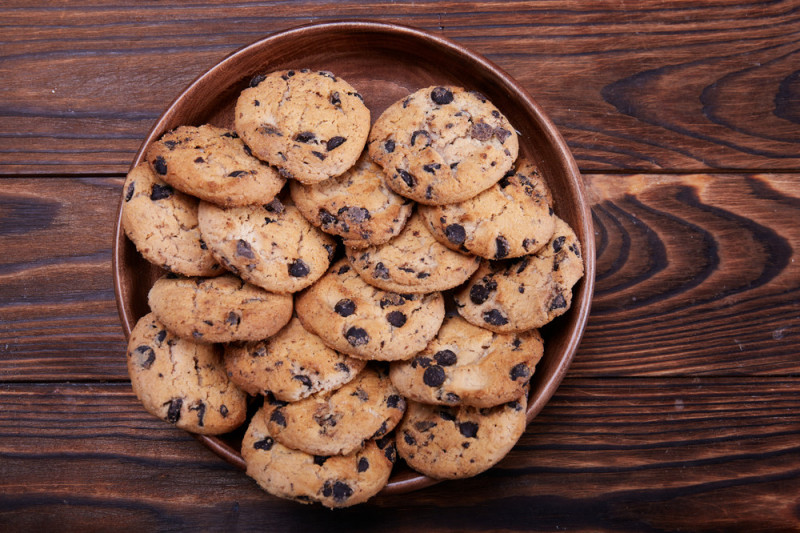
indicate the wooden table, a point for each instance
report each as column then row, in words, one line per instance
column 681, row 410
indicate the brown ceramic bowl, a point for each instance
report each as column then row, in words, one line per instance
column 384, row 62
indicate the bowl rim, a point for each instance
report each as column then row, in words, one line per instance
column 584, row 288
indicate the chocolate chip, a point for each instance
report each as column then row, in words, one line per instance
column 424, row 426
column 391, row 299
column 129, row 194
column 363, row 465
column 334, row 142
column 233, row 319
column 223, row 410
column 341, row 491
column 230, row 135
column 288, row 74
column 420, row 133
column 361, row 394
column 237, row 173
column 396, row 318
column 278, row 418
column 356, row 336
column 319, row 155
column 160, row 192
column 174, row 410
column 305, row 380
column 468, row 429
column 406, row 177
column 146, row 356
column 447, row 415
column 429, row 192
column 334, row 98
column 501, row 134
column 495, row 318
column 434, row 376
column 441, row 95
column 319, row 460
column 357, row 214
column 559, row 302
column 341, row 367
column 388, row 146
column 481, row 131
column 331, row 249
column 409, row 438
column 299, row 269
column 558, row 243
column 502, row 247
column 258, row 78
column 326, row 218
column 479, row 292
column 381, row 272
column 452, row 397
column 160, row 336
column 520, row 371
column 269, row 129
column 424, row 362
column 345, row 307
column 201, row 412
column 275, row 206
column 264, row 444
column 515, row 405
column 243, row 249
column 381, row 430
column 445, row 357
column 305, row 137
column 455, row 233
column 479, row 96
column 343, row 269
column 171, row 144
column 423, row 275
column 390, row 452
column 396, row 401
column 432, row 168
column 516, row 343
column 327, row 74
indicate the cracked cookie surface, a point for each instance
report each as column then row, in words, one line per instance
column 442, row 145
column 511, row 218
column 458, row 442
column 337, row 481
column 309, row 124
column 414, row 261
column 527, row 292
column 357, row 205
column 468, row 365
column 182, row 382
column 291, row 365
column 214, row 165
column 338, row 422
column 272, row 246
column 356, row 318
column 222, row 309
column 162, row 224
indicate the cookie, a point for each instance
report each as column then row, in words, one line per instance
column 468, row 365
column 511, row 218
column 338, row 422
column 413, row 262
column 162, row 224
column 357, row 206
column 214, row 165
column 270, row 245
column 442, row 145
column 222, row 309
column 311, row 125
column 182, row 382
column 338, row 481
column 357, row 319
column 524, row 293
column 458, row 442
column 291, row 365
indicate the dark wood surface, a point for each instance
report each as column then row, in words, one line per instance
column 681, row 410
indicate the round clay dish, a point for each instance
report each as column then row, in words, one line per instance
column 384, row 62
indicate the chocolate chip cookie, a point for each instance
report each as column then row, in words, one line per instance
column 524, row 293
column 511, row 218
column 222, row 309
column 291, row 365
column 357, row 206
column 182, row 382
column 357, row 319
column 442, row 145
column 214, row 165
column 337, row 481
column 311, row 125
column 413, row 262
column 338, row 422
column 269, row 245
column 162, row 224
column 468, row 365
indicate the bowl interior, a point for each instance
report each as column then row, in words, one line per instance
column 384, row 63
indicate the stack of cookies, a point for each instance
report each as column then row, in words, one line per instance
column 325, row 299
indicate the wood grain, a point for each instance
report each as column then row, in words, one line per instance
column 696, row 274
column 603, row 454
column 647, row 86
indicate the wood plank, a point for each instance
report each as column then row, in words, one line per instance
column 645, row 86
column 696, row 275
column 647, row 454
